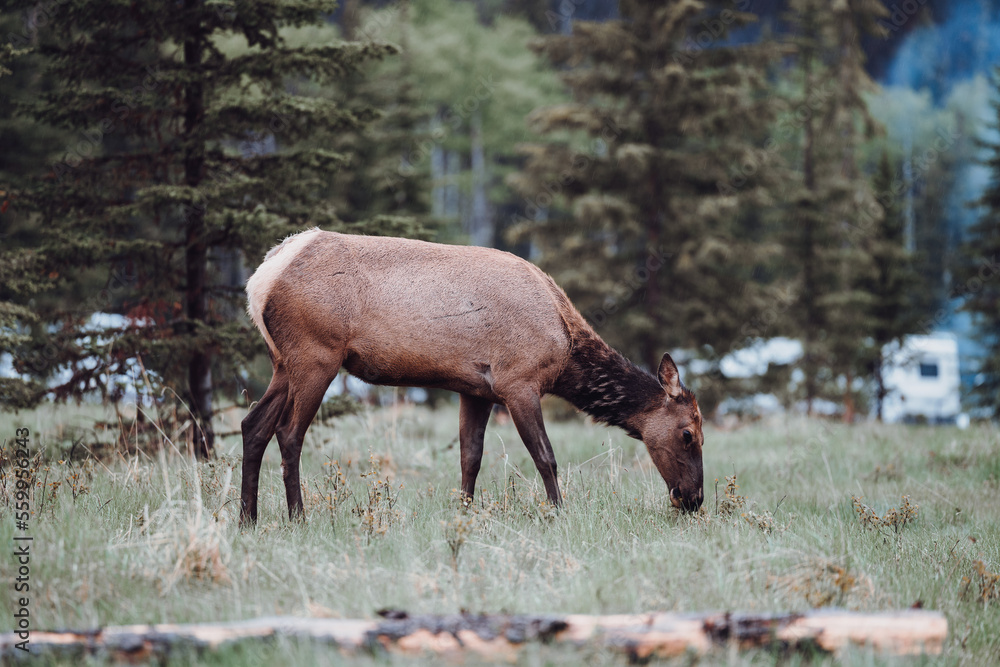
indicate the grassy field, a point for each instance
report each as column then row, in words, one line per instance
column 154, row 537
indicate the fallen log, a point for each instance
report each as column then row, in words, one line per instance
column 640, row 636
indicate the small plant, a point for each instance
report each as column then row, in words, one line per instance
column 78, row 478
column 893, row 518
column 989, row 583
column 378, row 513
column 335, row 491
column 732, row 503
column 906, row 513
column 763, row 522
column 49, row 490
column 455, row 533
column 866, row 515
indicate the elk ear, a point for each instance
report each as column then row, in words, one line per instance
column 670, row 379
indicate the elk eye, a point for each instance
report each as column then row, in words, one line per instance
column 688, row 437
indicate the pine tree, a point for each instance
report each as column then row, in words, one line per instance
column 189, row 156
column 935, row 247
column 646, row 202
column 375, row 187
column 978, row 275
column 831, row 209
column 26, row 143
column 18, row 273
column 891, row 282
column 477, row 108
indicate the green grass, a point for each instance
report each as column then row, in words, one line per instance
column 154, row 538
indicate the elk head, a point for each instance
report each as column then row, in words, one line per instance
column 671, row 430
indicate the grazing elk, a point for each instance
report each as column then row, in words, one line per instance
column 477, row 321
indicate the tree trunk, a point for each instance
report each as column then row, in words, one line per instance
column 349, row 20
column 452, row 194
column 199, row 393
column 481, row 231
column 500, row 637
column 849, row 407
column 848, row 169
column 652, row 351
column 439, row 172
column 880, row 391
column 808, row 277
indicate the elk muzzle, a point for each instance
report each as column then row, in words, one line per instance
column 689, row 500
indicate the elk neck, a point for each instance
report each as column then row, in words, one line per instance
column 600, row 381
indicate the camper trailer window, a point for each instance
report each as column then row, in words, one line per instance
column 928, row 369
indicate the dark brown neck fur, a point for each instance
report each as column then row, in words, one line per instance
column 606, row 385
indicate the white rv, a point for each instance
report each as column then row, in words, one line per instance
column 921, row 376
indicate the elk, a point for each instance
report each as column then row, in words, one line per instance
column 477, row 321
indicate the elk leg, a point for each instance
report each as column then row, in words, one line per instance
column 258, row 427
column 473, row 414
column 305, row 397
column 526, row 411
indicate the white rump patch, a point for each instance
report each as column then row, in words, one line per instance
column 260, row 283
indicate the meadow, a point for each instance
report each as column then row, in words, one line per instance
column 798, row 514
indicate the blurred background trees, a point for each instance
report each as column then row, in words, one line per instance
column 832, row 208
column 192, row 147
column 978, row 274
column 632, row 205
column 699, row 178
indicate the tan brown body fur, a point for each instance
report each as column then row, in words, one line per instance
column 477, row 321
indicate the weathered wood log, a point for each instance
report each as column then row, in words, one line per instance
column 641, row 636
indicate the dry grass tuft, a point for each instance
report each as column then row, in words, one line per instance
column 989, row 583
column 888, row 471
column 183, row 540
column 894, row 519
column 821, row 582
